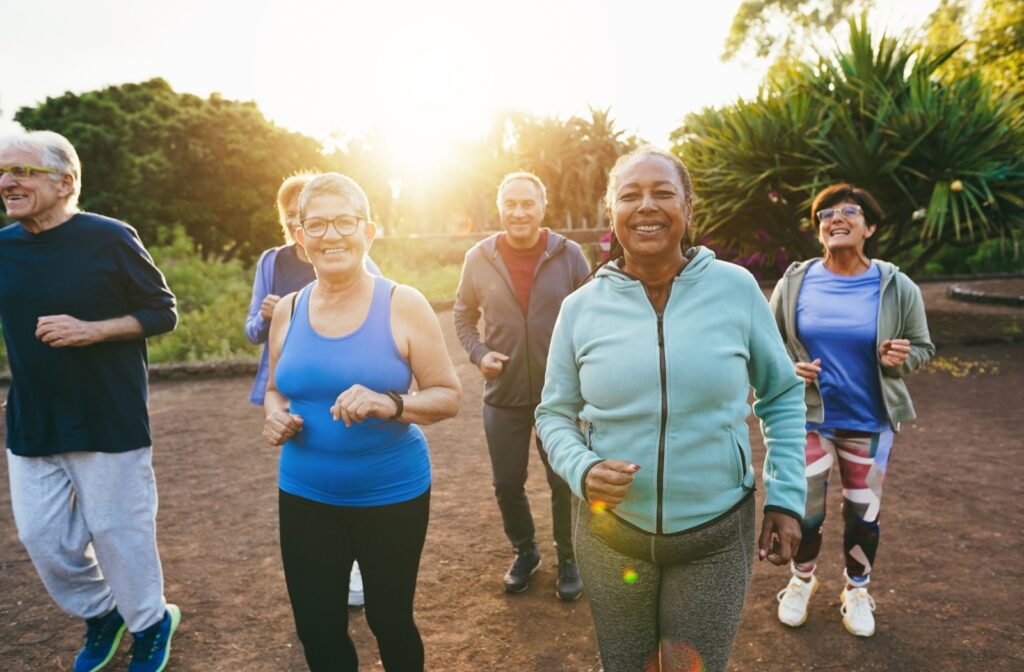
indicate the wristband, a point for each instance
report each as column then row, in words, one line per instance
column 399, row 404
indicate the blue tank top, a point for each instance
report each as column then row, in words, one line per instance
column 372, row 463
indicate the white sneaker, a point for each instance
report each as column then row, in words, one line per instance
column 857, row 611
column 793, row 600
column 355, row 587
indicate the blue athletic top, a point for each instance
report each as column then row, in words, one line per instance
column 372, row 463
column 837, row 319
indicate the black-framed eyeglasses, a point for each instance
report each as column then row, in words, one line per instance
column 845, row 211
column 25, row 171
column 345, row 225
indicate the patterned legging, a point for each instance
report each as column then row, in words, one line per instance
column 863, row 458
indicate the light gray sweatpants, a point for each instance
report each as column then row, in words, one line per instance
column 665, row 602
column 88, row 522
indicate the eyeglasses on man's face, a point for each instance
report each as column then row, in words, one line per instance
column 345, row 225
column 26, row 171
column 847, row 211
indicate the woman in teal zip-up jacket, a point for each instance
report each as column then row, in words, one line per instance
column 654, row 359
column 854, row 327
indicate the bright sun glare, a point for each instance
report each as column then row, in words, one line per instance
column 413, row 79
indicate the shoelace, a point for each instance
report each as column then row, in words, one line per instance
column 859, row 601
column 96, row 634
column 144, row 647
column 522, row 564
column 791, row 586
column 565, row 570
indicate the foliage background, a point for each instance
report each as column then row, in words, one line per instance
column 932, row 124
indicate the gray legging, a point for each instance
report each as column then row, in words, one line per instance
column 684, row 591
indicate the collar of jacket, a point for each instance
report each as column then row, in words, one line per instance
column 556, row 242
column 701, row 259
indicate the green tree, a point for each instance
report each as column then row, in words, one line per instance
column 944, row 157
column 783, row 30
column 1000, row 43
column 157, row 158
column 573, row 158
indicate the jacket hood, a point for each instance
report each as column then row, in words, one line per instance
column 701, row 259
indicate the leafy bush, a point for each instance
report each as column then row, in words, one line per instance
column 431, row 264
column 213, row 298
column 990, row 256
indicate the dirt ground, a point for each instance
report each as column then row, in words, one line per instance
column 948, row 582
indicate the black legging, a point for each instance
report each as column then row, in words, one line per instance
column 318, row 545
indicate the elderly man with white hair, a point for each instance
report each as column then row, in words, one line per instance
column 79, row 294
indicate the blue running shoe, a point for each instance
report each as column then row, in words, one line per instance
column 102, row 637
column 152, row 647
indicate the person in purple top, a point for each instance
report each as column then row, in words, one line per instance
column 280, row 271
column 79, row 295
column 854, row 328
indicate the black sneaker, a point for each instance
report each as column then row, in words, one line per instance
column 569, row 584
column 517, row 578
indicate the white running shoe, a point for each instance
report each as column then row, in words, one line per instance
column 793, row 600
column 355, row 587
column 857, row 611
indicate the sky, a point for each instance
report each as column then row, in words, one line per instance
column 419, row 74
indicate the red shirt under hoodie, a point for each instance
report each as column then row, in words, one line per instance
column 522, row 265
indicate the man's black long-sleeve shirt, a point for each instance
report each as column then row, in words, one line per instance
column 91, row 398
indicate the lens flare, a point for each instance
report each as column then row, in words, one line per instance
column 674, row 657
column 597, row 506
column 630, row 576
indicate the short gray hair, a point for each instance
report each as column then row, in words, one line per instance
column 524, row 175
column 333, row 184
column 55, row 151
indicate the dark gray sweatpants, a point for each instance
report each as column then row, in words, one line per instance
column 674, row 596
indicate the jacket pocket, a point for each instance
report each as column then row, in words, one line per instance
column 744, row 468
column 588, row 435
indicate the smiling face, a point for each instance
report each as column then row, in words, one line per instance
column 334, row 254
column 521, row 206
column 844, row 231
column 650, row 211
column 34, row 198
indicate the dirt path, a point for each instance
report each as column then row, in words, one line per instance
column 948, row 585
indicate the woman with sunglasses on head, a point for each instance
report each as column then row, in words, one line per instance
column 655, row 358
column 279, row 271
column 354, row 474
column 854, row 327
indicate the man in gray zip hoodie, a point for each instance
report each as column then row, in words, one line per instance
column 517, row 279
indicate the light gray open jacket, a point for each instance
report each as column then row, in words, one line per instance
column 900, row 315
